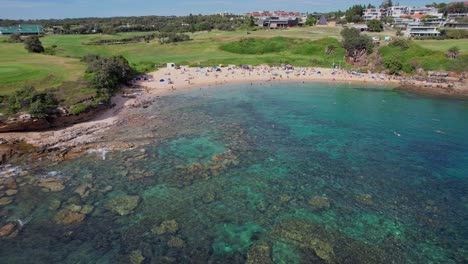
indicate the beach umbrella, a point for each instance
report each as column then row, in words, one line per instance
column 162, row 80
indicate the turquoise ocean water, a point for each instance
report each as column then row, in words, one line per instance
column 281, row 173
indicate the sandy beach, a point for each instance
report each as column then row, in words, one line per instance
column 166, row 80
column 169, row 80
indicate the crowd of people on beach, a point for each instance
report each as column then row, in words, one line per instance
column 185, row 77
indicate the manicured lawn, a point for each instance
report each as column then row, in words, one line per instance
column 444, row 45
column 203, row 49
column 19, row 68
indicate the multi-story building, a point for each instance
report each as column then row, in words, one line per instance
column 456, row 15
column 421, row 31
column 398, row 11
column 430, row 11
column 374, row 13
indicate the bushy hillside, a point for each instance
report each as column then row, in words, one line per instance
column 413, row 56
column 322, row 52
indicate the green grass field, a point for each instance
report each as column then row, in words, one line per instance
column 444, row 45
column 19, row 68
column 65, row 76
column 64, row 70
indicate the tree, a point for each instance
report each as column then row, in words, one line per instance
column 66, row 27
column 16, row 38
column 388, row 20
column 375, row 25
column 108, row 73
column 369, row 6
column 458, row 7
column 386, row 4
column 311, row 21
column 251, row 21
column 33, row 44
column 453, row 52
column 355, row 44
column 354, row 14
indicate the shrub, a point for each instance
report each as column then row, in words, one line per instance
column 400, row 43
column 33, row 44
column 375, row 25
column 16, row 38
column 394, row 64
column 108, row 73
column 35, row 103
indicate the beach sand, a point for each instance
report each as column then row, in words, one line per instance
column 166, row 80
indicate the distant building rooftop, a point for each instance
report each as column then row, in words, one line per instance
column 22, row 29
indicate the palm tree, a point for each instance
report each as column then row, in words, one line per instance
column 453, row 52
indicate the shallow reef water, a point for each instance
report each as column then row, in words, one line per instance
column 271, row 173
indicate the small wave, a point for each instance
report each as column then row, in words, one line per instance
column 440, row 132
column 8, row 171
column 396, row 134
column 100, row 151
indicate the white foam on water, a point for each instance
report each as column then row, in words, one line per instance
column 102, row 152
column 8, row 171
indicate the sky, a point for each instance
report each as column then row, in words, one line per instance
column 40, row 9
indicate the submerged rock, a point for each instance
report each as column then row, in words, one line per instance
column 319, row 203
column 55, row 204
column 176, row 242
column 6, row 200
column 166, row 227
column 74, row 208
column 135, row 257
column 51, row 184
column 307, row 236
column 123, row 205
column 284, row 198
column 68, row 217
column 106, row 189
column 87, row 209
column 83, row 190
column 259, row 253
column 11, row 192
column 209, row 197
column 365, row 199
column 10, row 183
column 7, row 229
column 320, row 244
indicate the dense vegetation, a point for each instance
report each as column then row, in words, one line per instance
column 407, row 56
column 106, row 75
column 37, row 104
column 375, row 25
column 355, row 43
column 33, row 44
column 322, row 52
column 163, row 37
column 191, row 23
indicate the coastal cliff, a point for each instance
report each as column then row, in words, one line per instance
column 26, row 122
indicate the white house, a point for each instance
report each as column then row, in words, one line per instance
column 373, row 13
column 397, row 11
column 421, row 31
